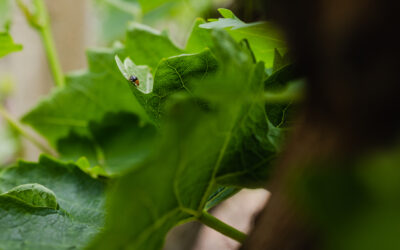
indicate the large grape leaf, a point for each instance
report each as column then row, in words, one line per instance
column 87, row 97
column 176, row 183
column 49, row 205
column 263, row 37
column 100, row 90
column 103, row 90
column 116, row 143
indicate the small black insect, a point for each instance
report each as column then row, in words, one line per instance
column 134, row 80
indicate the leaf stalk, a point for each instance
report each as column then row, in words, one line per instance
column 222, row 227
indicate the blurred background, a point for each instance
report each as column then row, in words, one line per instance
column 77, row 25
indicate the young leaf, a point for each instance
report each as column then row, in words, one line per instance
column 34, row 195
column 175, row 74
column 29, row 215
column 262, row 36
column 133, row 73
column 7, row 44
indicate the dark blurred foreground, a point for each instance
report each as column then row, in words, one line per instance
column 338, row 184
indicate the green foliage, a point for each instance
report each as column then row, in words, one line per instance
column 280, row 82
column 214, row 123
column 175, row 74
column 147, row 46
column 63, row 209
column 202, row 134
column 93, row 94
column 263, row 37
column 199, row 38
column 115, row 15
column 209, row 145
column 103, row 89
column 116, row 143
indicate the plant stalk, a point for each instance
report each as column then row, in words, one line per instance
column 19, row 128
column 49, row 45
column 40, row 21
column 52, row 56
column 222, row 227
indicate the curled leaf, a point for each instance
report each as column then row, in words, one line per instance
column 34, row 195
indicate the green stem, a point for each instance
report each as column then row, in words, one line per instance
column 40, row 20
column 221, row 227
column 52, row 57
column 49, row 45
column 19, row 128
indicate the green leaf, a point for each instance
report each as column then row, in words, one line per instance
column 79, row 130
column 116, row 143
column 277, row 83
column 199, row 38
column 7, row 44
column 85, row 166
column 280, row 61
column 227, row 13
column 263, row 37
column 172, row 75
column 147, row 46
column 93, row 94
column 114, row 15
column 222, row 193
column 180, row 180
column 29, row 215
column 34, row 195
column 103, row 88
column 214, row 131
